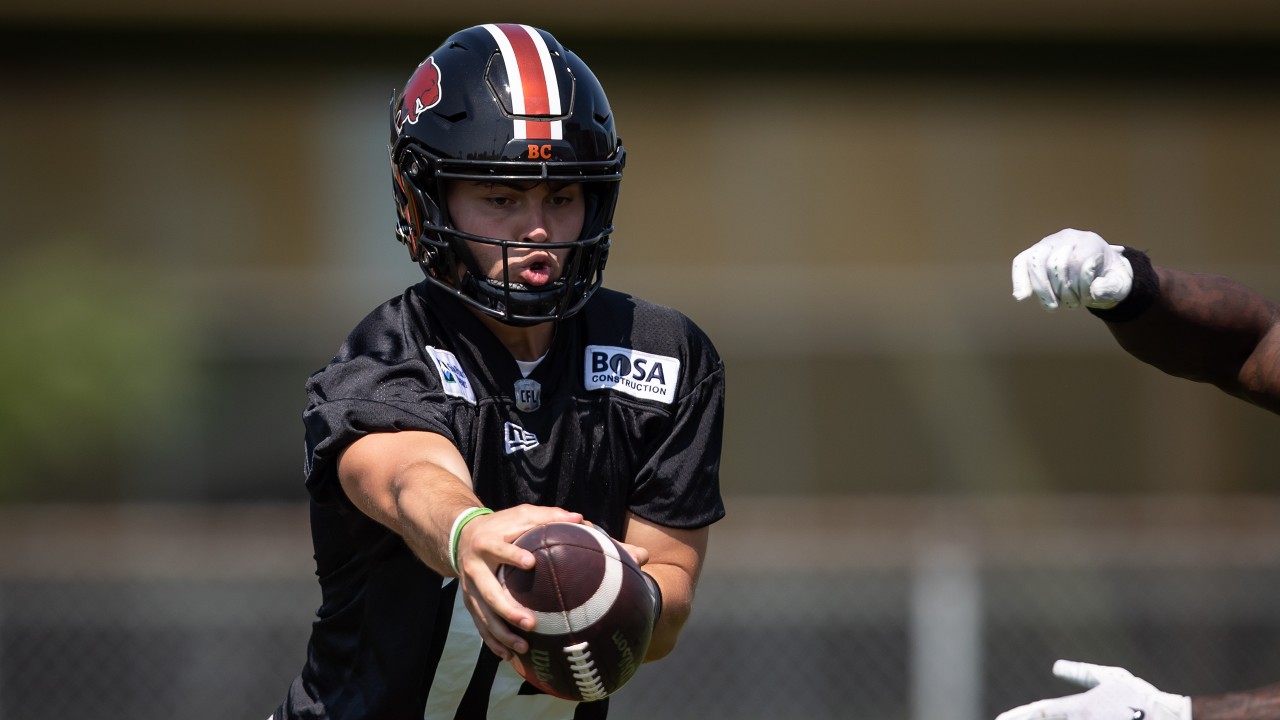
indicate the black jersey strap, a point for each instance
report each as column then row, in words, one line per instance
column 444, row 613
column 475, row 701
column 595, row 710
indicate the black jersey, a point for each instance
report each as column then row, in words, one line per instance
column 623, row 414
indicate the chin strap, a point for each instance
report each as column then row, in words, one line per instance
column 510, row 305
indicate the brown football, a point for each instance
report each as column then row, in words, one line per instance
column 593, row 607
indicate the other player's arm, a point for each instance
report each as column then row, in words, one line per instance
column 1114, row 692
column 675, row 562
column 1260, row 704
column 417, row 484
column 1201, row 327
column 1210, row 329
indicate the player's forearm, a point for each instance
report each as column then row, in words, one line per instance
column 1262, row 704
column 1210, row 329
column 407, row 483
column 420, row 509
column 425, row 504
column 675, row 562
column 677, row 605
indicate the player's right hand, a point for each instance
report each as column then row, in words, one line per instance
column 487, row 542
column 1114, row 694
column 1071, row 268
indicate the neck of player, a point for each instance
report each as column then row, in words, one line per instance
column 524, row 343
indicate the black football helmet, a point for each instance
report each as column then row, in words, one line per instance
column 506, row 103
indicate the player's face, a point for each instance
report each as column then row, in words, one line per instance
column 520, row 212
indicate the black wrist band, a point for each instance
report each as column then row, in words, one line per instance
column 1145, row 291
column 657, row 595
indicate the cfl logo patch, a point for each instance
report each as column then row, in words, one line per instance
column 632, row 372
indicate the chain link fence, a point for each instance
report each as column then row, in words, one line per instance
column 876, row 609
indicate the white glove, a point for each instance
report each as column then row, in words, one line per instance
column 1115, row 695
column 1073, row 268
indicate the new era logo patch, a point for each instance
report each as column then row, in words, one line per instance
column 519, row 439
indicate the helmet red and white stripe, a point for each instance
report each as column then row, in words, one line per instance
column 534, row 89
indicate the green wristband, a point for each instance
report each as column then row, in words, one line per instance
column 455, row 534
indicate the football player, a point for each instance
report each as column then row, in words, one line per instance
column 505, row 390
column 1201, row 327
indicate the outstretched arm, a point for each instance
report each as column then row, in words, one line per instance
column 1200, row 327
column 1261, row 704
column 1209, row 329
column 417, row 484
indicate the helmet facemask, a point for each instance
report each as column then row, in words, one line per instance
column 444, row 253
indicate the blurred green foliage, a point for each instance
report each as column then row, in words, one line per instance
column 95, row 349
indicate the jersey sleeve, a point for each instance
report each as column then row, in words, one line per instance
column 679, row 484
column 374, row 384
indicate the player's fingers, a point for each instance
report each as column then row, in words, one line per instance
column 483, row 585
column 1018, row 275
column 1111, row 287
column 1039, row 282
column 1030, row 274
column 526, row 516
column 494, row 536
column 487, row 545
column 494, row 547
column 479, row 564
column 493, row 605
column 1089, row 266
column 1038, row 710
column 639, row 554
column 495, row 634
column 1114, row 280
column 1063, row 270
column 1087, row 674
column 1080, row 673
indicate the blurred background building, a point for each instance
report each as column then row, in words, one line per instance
column 933, row 491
